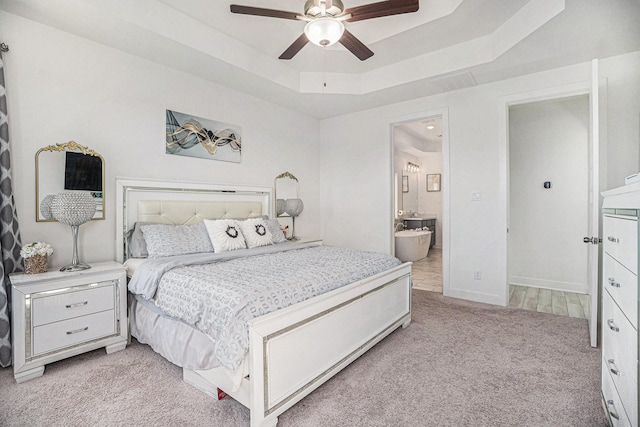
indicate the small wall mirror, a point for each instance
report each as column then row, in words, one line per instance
column 69, row 166
column 285, row 187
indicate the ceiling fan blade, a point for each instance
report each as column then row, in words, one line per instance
column 259, row 11
column 380, row 9
column 295, row 47
column 355, row 46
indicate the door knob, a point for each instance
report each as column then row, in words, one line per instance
column 594, row 240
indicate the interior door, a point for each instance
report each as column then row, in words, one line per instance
column 594, row 205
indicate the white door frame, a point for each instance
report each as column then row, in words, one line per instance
column 443, row 113
column 582, row 88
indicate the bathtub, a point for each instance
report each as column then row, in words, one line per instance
column 412, row 245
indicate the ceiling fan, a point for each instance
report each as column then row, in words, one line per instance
column 325, row 22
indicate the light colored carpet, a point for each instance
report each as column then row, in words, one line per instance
column 457, row 364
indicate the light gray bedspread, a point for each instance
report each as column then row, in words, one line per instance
column 218, row 298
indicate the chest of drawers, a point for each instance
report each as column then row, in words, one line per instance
column 621, row 209
column 61, row 314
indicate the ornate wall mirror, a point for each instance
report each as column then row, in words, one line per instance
column 288, row 203
column 285, row 187
column 68, row 166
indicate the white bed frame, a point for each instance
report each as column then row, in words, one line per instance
column 294, row 350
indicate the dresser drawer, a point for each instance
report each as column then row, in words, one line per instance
column 619, row 355
column 53, row 308
column 65, row 333
column 620, row 237
column 614, row 406
column 622, row 285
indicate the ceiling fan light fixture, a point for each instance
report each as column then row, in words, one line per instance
column 324, row 31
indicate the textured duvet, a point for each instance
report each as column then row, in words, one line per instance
column 218, row 294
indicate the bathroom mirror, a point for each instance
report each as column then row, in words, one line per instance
column 285, row 187
column 68, row 166
column 410, row 197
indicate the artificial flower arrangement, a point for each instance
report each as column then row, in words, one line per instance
column 35, row 256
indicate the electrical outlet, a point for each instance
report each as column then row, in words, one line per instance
column 476, row 196
column 477, row 275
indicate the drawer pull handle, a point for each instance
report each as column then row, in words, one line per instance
column 612, row 282
column 77, row 331
column 612, row 410
column 612, row 325
column 612, row 367
column 613, row 239
column 78, row 304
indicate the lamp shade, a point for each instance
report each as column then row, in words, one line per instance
column 324, row 31
column 73, row 207
column 280, row 207
column 45, row 206
column 294, row 207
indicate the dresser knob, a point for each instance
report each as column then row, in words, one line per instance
column 612, row 367
column 612, row 282
column 612, row 325
column 613, row 239
column 612, row 410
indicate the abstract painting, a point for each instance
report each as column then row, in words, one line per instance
column 203, row 138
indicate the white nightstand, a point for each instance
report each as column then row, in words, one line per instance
column 58, row 315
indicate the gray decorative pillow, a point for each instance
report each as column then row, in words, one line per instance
column 225, row 234
column 255, row 232
column 274, row 227
column 135, row 241
column 168, row 240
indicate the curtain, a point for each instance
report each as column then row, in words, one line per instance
column 9, row 232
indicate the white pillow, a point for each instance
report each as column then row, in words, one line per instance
column 256, row 232
column 225, row 234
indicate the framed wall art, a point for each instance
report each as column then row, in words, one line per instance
column 203, row 138
column 433, row 182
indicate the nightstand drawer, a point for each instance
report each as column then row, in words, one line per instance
column 620, row 238
column 68, row 305
column 69, row 332
column 622, row 285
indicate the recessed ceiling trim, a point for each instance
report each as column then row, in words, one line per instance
column 176, row 29
column 442, row 62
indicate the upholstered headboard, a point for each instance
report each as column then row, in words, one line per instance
column 183, row 203
column 191, row 212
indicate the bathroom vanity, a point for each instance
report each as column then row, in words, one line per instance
column 421, row 222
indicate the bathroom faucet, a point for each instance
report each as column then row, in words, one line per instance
column 399, row 226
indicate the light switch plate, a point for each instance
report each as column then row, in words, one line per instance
column 475, row 196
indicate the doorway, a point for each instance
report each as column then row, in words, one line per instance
column 549, row 206
column 418, row 167
column 590, row 89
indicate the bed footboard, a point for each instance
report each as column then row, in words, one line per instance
column 295, row 350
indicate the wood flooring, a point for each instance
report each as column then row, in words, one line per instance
column 427, row 276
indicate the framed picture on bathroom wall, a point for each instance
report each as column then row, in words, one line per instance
column 433, row 182
column 405, row 184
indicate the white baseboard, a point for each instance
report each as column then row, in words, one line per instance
column 554, row 285
column 475, row 296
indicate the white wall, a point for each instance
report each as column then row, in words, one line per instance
column 620, row 76
column 549, row 141
column 61, row 87
column 477, row 239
